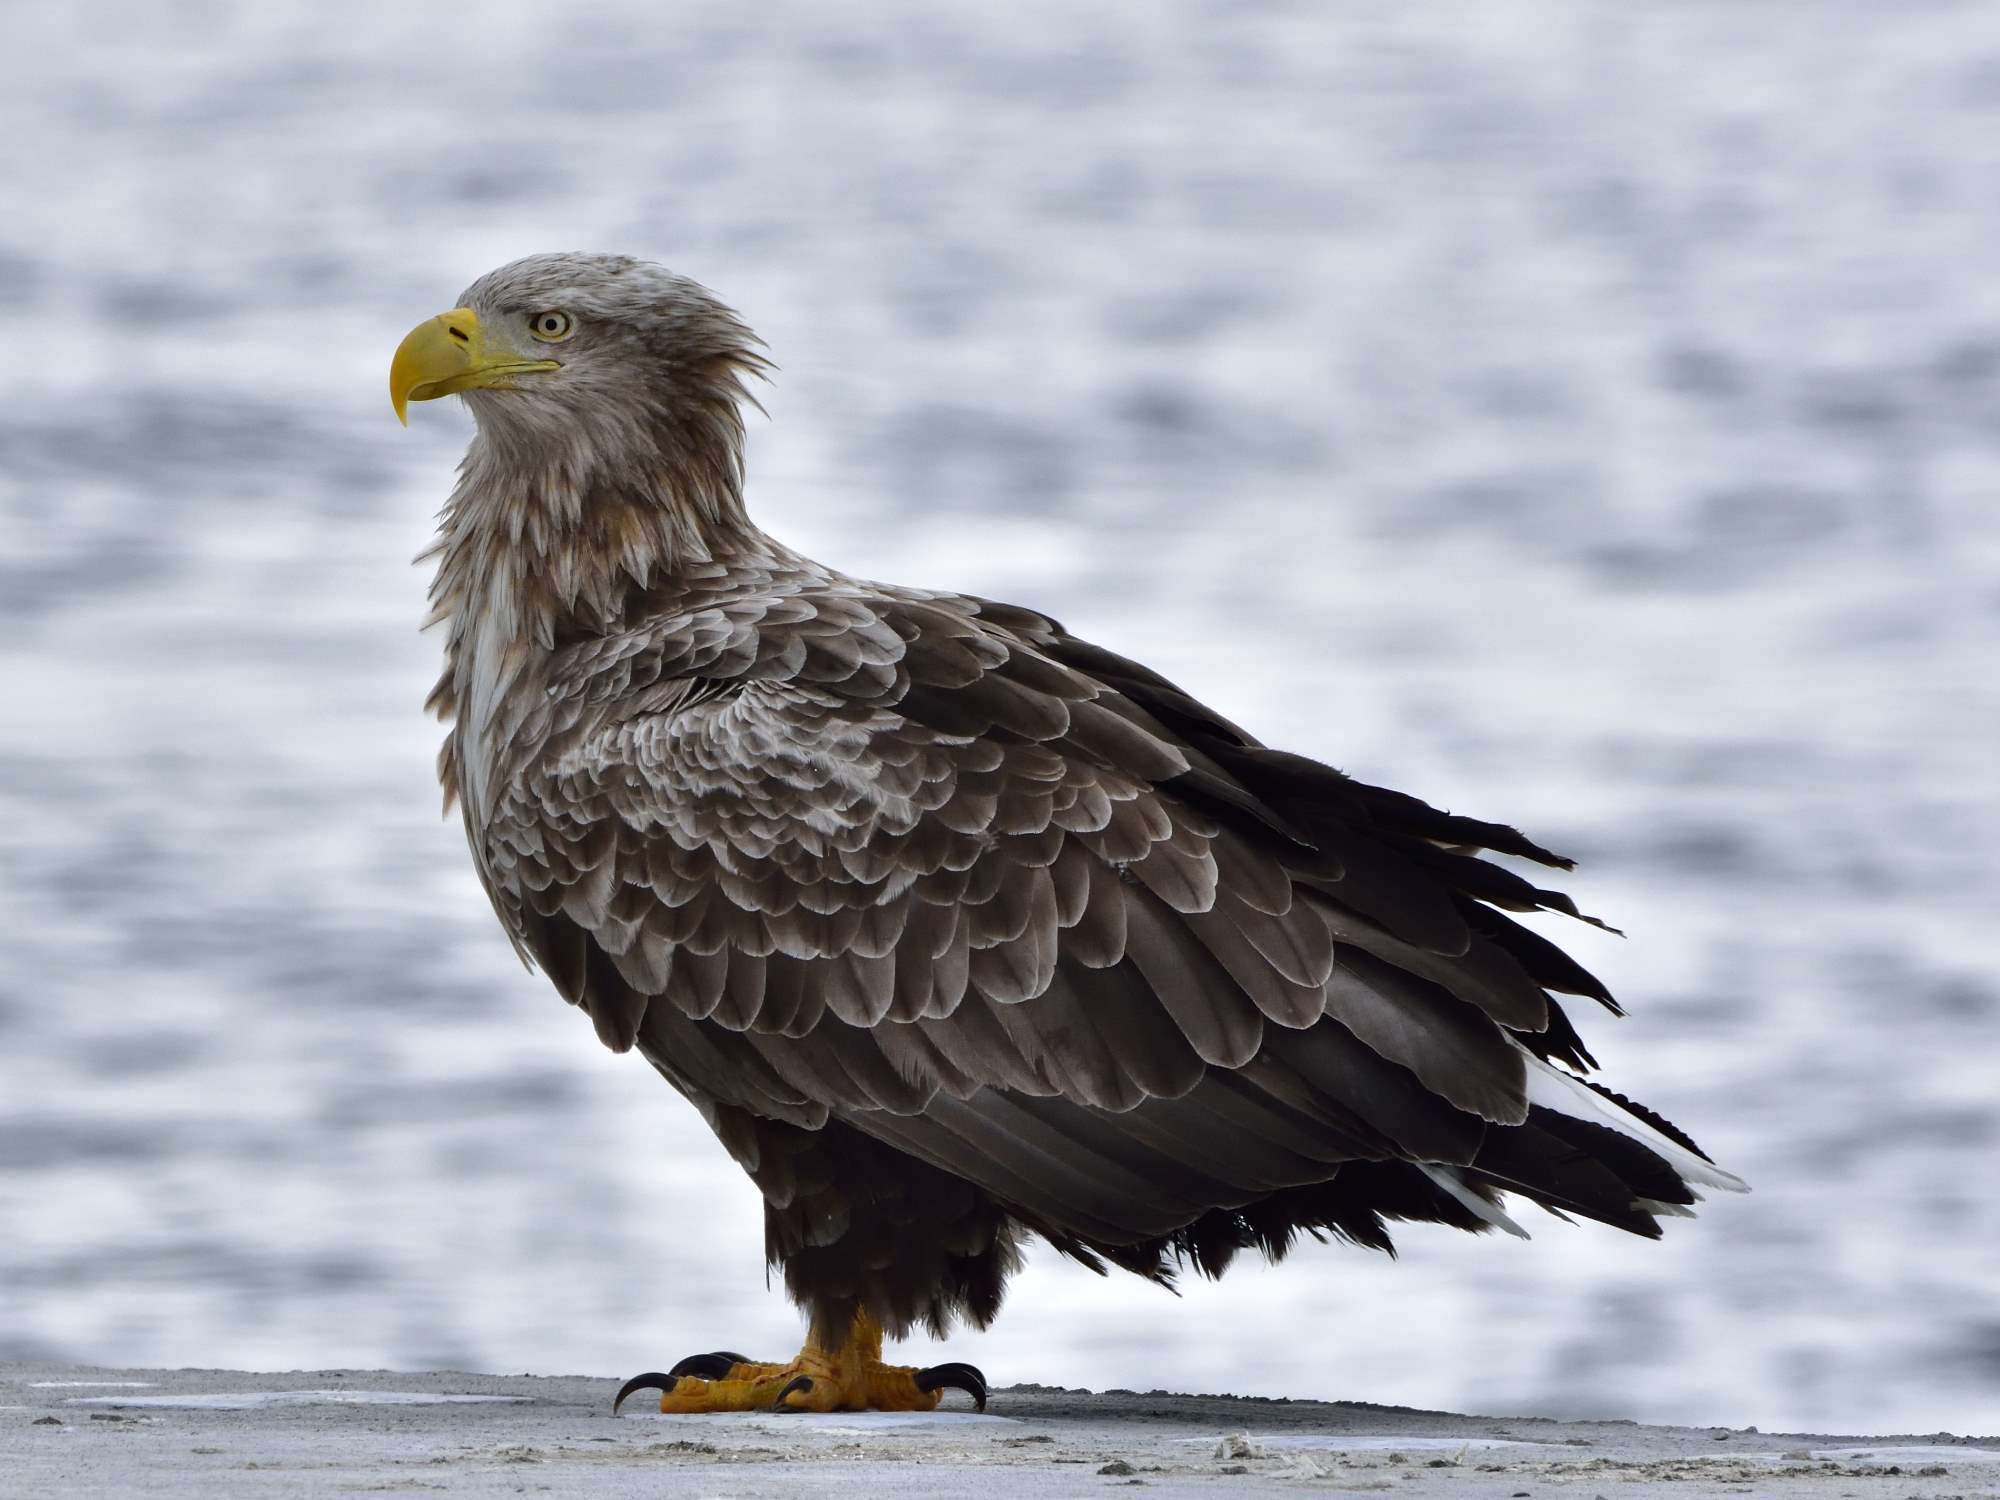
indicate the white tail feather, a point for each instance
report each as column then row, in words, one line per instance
column 1552, row 1088
column 1453, row 1182
column 1662, row 1210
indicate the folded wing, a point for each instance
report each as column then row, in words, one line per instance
column 932, row 870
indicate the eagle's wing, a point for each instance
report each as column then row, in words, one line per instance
column 1018, row 907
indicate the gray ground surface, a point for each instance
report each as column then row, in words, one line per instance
column 71, row 1431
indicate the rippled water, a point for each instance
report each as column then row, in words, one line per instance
column 1581, row 415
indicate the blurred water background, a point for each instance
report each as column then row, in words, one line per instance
column 1585, row 415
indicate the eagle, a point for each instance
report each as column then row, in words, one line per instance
column 956, row 929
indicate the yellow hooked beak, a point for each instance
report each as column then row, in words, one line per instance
column 447, row 354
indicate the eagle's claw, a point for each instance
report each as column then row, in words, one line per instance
column 954, row 1377
column 709, row 1366
column 828, row 1374
column 652, row 1380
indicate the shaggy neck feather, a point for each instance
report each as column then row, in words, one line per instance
column 555, row 533
column 570, row 524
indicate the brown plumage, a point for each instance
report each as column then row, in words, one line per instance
column 955, row 928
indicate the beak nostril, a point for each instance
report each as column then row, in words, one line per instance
column 459, row 334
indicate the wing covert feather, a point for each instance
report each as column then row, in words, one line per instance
column 825, row 849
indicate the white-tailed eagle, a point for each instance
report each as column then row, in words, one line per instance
column 956, row 929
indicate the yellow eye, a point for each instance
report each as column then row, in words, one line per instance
column 552, row 327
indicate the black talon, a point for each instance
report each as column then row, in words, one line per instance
column 954, row 1377
column 796, row 1383
column 652, row 1380
column 714, row 1366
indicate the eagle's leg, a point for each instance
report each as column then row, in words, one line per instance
column 834, row 1372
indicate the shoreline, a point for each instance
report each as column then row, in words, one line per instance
column 74, row 1430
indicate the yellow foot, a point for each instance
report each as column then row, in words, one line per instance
column 847, row 1376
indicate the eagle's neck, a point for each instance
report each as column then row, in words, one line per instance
column 546, row 544
column 564, row 558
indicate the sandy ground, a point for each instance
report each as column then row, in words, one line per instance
column 71, row 1431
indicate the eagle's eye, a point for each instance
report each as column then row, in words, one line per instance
column 552, row 327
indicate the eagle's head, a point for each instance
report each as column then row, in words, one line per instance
column 573, row 353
